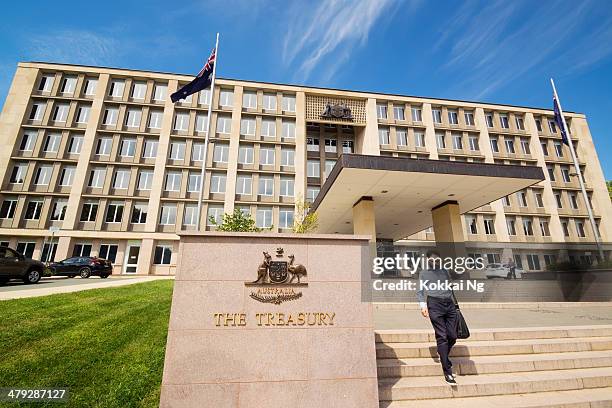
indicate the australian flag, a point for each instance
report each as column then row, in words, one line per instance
column 559, row 121
column 201, row 81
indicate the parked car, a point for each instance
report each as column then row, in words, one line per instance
column 14, row 265
column 496, row 270
column 84, row 266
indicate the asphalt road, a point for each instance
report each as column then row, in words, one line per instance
column 57, row 282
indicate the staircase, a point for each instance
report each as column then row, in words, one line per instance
column 501, row 368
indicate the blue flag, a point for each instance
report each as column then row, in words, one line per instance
column 201, row 81
column 559, row 121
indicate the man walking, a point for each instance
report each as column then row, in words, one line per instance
column 436, row 302
column 512, row 269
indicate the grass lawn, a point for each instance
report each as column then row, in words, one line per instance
column 106, row 345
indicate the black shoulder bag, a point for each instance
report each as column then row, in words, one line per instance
column 463, row 331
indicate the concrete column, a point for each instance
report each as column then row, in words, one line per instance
column 232, row 165
column 145, row 256
column 300, row 147
column 430, row 131
column 364, row 221
column 448, row 229
column 367, row 139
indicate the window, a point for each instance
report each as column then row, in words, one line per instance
column 437, row 115
column 139, row 213
column 287, row 187
column 287, row 157
column 38, row 110
column 565, row 174
column 48, row 252
column 89, row 211
column 559, row 149
column 173, row 181
column 331, row 145
column 194, row 182
column 26, row 249
column 544, row 148
column 506, row 201
column 489, row 224
column 558, row 200
column 533, row 262
column 493, row 258
column 469, row 118
column 122, row 179
column 473, row 140
column 150, row 149
column 18, row 174
column 163, row 254
column 114, row 212
column 441, row 140
column 552, row 126
column 312, row 193
column 133, row 117
column 177, row 150
column 247, row 126
column 489, row 120
column 573, row 199
column 226, row 98
column 116, row 88
column 139, row 89
column 509, row 146
column 551, row 172
column 528, row 227
column 266, row 156
column 503, row 120
column 457, row 142
column 83, row 114
column 452, row 117
column 245, row 155
column 383, row 135
column 59, row 210
column 347, row 146
column 539, row 201
column 160, row 92
column 266, row 186
column 104, row 146
column 288, row 129
column 269, row 101
column 204, row 97
column 312, row 144
column 288, row 103
column 215, row 212
column 221, row 153
column 511, row 223
column 525, row 146
column 28, row 141
column 217, row 183
column 46, row 83
column 197, row 152
column 263, row 217
column 565, row 227
column 402, row 136
column 313, row 168
column 181, row 121
column 244, row 185
column 224, row 124
column 128, row 147
column 522, row 196
column 381, row 111
column 494, row 145
column 168, row 214
column 91, row 85
column 419, row 138
column 249, row 99
column 155, row 119
column 472, row 225
column 544, row 228
column 417, row 114
column 398, row 113
column 549, row 259
column 520, row 124
column 145, row 179
column 329, row 165
column 190, row 214
column 268, row 128
column 81, row 250
column 108, row 252
column 43, row 175
column 60, row 112
column 285, row 218
column 580, row 229
column 33, row 210
column 110, row 116
column 8, row 208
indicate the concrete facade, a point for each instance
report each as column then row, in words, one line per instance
column 91, row 150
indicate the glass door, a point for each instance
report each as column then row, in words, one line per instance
column 131, row 259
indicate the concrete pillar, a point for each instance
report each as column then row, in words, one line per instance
column 448, row 229
column 364, row 221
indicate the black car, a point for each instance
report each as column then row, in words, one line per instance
column 14, row 265
column 84, row 266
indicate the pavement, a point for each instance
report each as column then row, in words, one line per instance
column 55, row 284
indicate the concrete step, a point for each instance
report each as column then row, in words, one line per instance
column 423, row 388
column 416, row 336
column 582, row 398
column 417, row 367
column 495, row 347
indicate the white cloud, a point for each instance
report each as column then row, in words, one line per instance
column 74, row 46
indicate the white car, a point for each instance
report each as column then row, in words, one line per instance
column 496, row 270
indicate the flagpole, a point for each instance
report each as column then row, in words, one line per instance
column 206, row 138
column 579, row 174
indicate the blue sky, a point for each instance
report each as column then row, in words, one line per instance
column 495, row 51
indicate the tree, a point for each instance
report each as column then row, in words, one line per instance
column 304, row 220
column 609, row 184
column 238, row 221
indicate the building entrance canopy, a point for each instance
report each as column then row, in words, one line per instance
column 405, row 190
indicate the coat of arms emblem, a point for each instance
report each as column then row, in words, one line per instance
column 337, row 111
column 275, row 279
